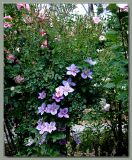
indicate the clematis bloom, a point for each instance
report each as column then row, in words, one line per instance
column 69, row 80
column 67, row 89
column 52, row 108
column 42, row 109
column 90, row 61
column 50, row 127
column 57, row 99
column 42, row 95
column 63, row 113
column 86, row 74
column 72, row 70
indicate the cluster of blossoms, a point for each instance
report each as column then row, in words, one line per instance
column 7, row 23
column 53, row 109
column 46, row 127
column 44, row 44
column 8, row 18
column 61, row 92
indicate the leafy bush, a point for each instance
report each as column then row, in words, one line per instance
column 43, row 51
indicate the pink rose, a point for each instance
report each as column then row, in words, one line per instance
column 96, row 19
column 42, row 33
column 11, row 57
column 19, row 79
column 8, row 17
column 27, row 6
column 20, row 5
column 44, row 44
column 7, row 25
column 23, row 5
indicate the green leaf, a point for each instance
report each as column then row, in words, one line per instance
column 113, row 8
column 58, row 136
column 109, row 85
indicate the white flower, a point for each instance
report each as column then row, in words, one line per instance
column 12, row 88
column 102, row 38
column 18, row 49
column 106, row 107
column 30, row 142
column 122, row 5
column 99, row 50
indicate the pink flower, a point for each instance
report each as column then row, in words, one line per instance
column 123, row 7
column 44, row 44
column 8, row 17
column 59, row 91
column 28, row 20
column 67, row 89
column 7, row 25
column 41, row 16
column 42, row 33
column 6, row 51
column 11, row 57
column 23, row 5
column 96, row 19
column 15, row 32
column 27, row 6
column 19, row 79
column 20, row 5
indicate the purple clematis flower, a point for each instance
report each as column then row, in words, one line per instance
column 76, row 138
column 42, row 109
column 59, row 91
column 90, row 61
column 50, row 127
column 69, row 81
column 86, row 74
column 67, row 89
column 43, row 138
column 72, row 70
column 46, row 127
column 52, row 108
column 41, row 127
column 63, row 113
column 42, row 95
column 57, row 99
